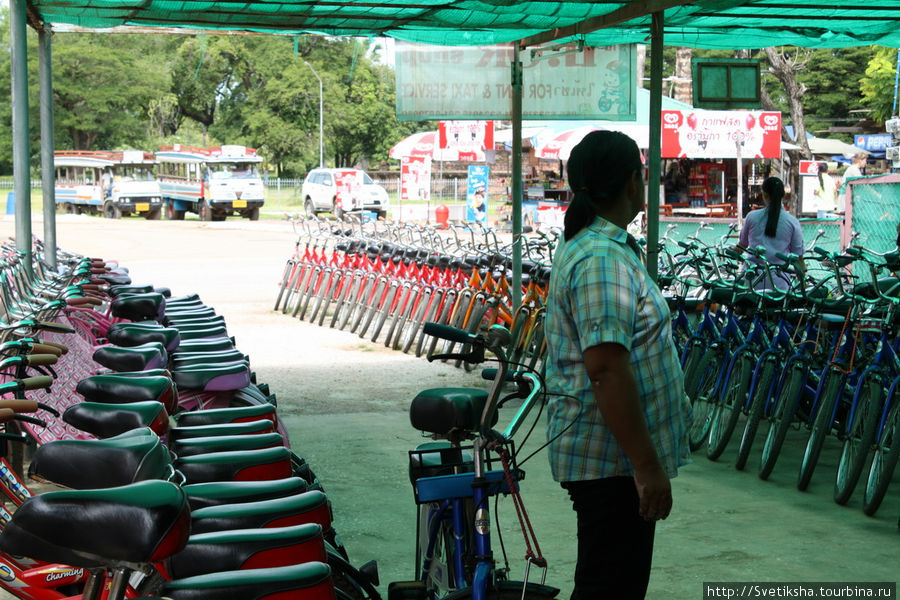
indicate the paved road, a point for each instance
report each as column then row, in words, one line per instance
column 345, row 400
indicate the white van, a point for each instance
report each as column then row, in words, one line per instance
column 342, row 190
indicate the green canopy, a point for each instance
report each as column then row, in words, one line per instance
column 709, row 24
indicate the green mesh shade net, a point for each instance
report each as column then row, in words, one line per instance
column 710, row 24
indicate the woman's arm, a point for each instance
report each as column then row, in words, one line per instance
column 616, row 392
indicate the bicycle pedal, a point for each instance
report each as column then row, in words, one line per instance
column 407, row 590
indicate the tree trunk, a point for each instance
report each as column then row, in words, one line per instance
column 683, row 86
column 784, row 68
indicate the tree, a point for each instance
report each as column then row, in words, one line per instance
column 878, row 84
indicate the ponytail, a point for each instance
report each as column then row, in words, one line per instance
column 599, row 168
column 773, row 187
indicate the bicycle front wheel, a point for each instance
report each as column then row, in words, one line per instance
column 758, row 402
column 729, row 409
column 703, row 399
column 821, row 427
column 887, row 454
column 860, row 438
column 782, row 418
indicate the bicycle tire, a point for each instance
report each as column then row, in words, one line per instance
column 884, row 462
column 322, row 294
column 437, row 314
column 370, row 300
column 348, row 305
column 288, row 271
column 313, row 287
column 782, row 419
column 760, row 398
column 332, row 295
column 472, row 325
column 860, row 438
column 691, row 360
column 384, row 310
column 729, row 409
column 292, row 288
column 703, row 401
column 411, row 329
column 821, row 427
column 348, row 579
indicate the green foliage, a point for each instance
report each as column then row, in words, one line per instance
column 877, row 86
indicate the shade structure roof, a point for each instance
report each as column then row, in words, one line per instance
column 702, row 23
column 425, row 144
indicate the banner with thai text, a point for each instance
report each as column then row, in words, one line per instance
column 474, row 82
column 415, row 178
column 719, row 134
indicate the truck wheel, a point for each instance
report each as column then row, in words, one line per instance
column 111, row 211
column 205, row 211
column 253, row 214
column 172, row 214
column 308, row 207
column 337, row 210
column 155, row 214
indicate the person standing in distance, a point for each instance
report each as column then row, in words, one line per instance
column 775, row 229
column 618, row 421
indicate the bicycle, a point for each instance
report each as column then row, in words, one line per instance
column 452, row 483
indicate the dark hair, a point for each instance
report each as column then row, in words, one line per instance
column 823, row 168
column 774, row 189
column 599, row 167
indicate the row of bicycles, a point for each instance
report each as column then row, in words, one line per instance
column 383, row 281
column 170, row 473
column 809, row 345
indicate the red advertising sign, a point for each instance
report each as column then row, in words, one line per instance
column 469, row 138
column 415, row 178
column 719, row 134
column 809, row 167
column 347, row 184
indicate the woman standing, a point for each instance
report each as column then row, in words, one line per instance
column 618, row 423
column 776, row 230
column 826, row 193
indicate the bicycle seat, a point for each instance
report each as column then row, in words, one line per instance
column 136, row 334
column 234, row 414
column 432, row 459
column 182, row 300
column 109, row 420
column 198, row 323
column 121, row 289
column 237, row 465
column 84, row 464
column 248, row 549
column 139, row 307
column 308, row 507
column 449, row 412
column 206, row 345
column 151, row 355
column 313, row 578
column 116, row 388
column 211, row 332
column 249, row 427
column 185, row 359
column 224, row 377
column 137, row 523
column 214, row 493
column 189, row 312
column 221, row 443
column 114, row 278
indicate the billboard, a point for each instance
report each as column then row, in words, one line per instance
column 468, row 139
column 474, row 82
column 719, row 134
column 415, row 178
column 477, row 194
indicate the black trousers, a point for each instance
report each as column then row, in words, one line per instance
column 615, row 545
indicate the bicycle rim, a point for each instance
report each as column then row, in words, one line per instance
column 858, row 443
column 704, row 400
column 820, row 429
column 757, row 405
column 734, row 399
column 782, row 418
column 887, row 453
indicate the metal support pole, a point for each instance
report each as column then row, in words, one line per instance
column 516, row 175
column 21, row 149
column 655, row 158
column 321, row 117
column 48, row 171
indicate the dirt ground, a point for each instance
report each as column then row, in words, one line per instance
column 345, row 399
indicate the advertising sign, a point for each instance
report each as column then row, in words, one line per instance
column 719, row 133
column 347, row 184
column 874, row 142
column 469, row 139
column 415, row 178
column 809, row 167
column 476, row 194
column 474, row 82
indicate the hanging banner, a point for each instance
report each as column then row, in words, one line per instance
column 718, row 133
column 809, row 167
column 467, row 139
column 347, row 183
column 473, row 82
column 415, row 178
column 476, row 194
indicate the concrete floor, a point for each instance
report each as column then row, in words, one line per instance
column 345, row 399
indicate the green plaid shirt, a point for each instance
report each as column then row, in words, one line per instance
column 601, row 292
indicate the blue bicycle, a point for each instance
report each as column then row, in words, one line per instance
column 455, row 476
